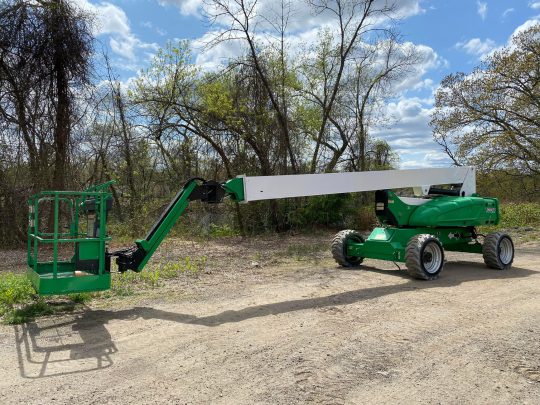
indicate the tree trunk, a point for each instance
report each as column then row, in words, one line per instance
column 127, row 147
column 61, row 85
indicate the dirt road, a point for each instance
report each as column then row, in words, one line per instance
column 294, row 332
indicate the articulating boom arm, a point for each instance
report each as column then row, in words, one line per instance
column 246, row 189
column 135, row 258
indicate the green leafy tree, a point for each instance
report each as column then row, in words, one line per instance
column 491, row 117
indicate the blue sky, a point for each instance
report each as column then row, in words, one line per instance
column 452, row 35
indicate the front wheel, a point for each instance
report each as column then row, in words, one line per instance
column 424, row 257
column 498, row 251
column 339, row 248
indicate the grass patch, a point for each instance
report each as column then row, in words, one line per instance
column 19, row 303
column 520, row 215
column 187, row 265
column 28, row 312
column 129, row 283
column 304, row 251
column 522, row 220
column 217, row 231
column 15, row 289
column 81, row 298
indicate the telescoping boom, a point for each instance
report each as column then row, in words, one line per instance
column 443, row 215
column 304, row 185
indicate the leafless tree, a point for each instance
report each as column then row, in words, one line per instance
column 243, row 26
column 45, row 49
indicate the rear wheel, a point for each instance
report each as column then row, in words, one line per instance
column 339, row 248
column 424, row 257
column 498, row 251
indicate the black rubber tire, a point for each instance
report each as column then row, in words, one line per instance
column 339, row 248
column 492, row 250
column 414, row 256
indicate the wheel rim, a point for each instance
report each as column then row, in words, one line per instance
column 506, row 251
column 432, row 258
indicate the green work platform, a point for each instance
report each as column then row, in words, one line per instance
column 79, row 231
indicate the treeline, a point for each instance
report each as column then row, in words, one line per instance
column 490, row 118
column 67, row 122
column 266, row 112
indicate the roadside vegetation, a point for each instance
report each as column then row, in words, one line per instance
column 520, row 220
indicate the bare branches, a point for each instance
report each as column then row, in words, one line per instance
column 46, row 48
column 243, row 23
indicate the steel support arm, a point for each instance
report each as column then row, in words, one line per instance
column 136, row 257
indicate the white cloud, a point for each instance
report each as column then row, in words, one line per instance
column 302, row 15
column 113, row 22
column 486, row 48
column 482, row 8
column 428, row 60
column 216, row 56
column 508, row 11
column 410, row 136
column 477, row 47
column 535, row 5
column 424, row 84
column 525, row 26
column 186, row 7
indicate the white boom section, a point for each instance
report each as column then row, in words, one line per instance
column 303, row 185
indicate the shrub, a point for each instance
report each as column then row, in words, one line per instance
column 14, row 289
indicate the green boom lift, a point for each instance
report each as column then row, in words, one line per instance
column 416, row 231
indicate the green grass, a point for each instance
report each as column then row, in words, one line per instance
column 15, row 289
column 521, row 220
column 130, row 283
column 28, row 312
column 217, row 231
column 19, row 303
column 306, row 251
column 520, row 215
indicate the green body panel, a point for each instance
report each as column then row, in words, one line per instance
column 456, row 211
column 235, row 189
column 443, row 211
column 89, row 249
column 398, row 208
column 149, row 252
column 389, row 243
